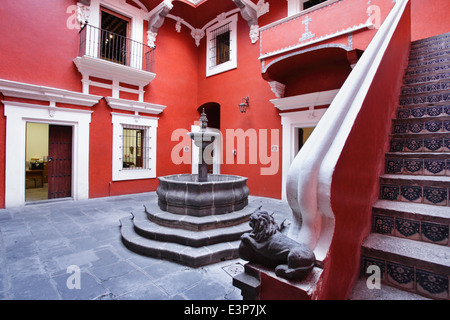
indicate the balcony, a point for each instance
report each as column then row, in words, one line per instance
column 118, row 59
column 347, row 25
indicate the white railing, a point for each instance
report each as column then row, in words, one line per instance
column 308, row 185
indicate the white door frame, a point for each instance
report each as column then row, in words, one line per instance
column 17, row 115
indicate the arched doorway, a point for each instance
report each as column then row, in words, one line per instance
column 212, row 110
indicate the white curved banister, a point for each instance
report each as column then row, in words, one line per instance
column 308, row 184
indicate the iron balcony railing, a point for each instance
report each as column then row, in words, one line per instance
column 103, row 44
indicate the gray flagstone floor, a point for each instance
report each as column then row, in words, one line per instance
column 72, row 250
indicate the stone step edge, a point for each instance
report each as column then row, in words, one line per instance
column 194, row 223
column 418, row 211
column 418, row 155
column 406, row 179
column 186, row 255
column 153, row 231
column 424, row 119
column 361, row 291
column 418, row 254
column 425, row 135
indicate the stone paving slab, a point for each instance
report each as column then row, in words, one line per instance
column 39, row 242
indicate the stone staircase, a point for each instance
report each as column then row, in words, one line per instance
column 410, row 221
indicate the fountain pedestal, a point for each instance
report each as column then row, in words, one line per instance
column 198, row 219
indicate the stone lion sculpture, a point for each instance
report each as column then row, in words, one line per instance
column 266, row 245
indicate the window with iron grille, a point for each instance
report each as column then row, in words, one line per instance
column 221, row 40
column 220, row 46
column 134, row 147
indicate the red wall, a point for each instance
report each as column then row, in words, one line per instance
column 355, row 181
column 429, row 18
column 228, row 89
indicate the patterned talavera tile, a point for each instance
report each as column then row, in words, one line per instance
column 435, row 233
column 433, row 144
column 396, row 145
column 394, row 165
column 434, row 111
column 400, row 275
column 446, row 144
column 414, row 145
column 447, row 109
column 433, row 126
column 416, row 127
column 406, row 228
column 435, row 196
column 400, row 128
column 403, row 113
column 383, row 224
column 434, row 167
column 389, row 192
column 446, row 125
column 413, row 166
column 432, row 284
column 418, row 112
column 448, row 167
column 411, row 193
column 366, row 262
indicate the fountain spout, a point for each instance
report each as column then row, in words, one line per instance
column 203, row 139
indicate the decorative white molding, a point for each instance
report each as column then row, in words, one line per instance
column 94, row 67
column 151, row 38
column 41, row 93
column 349, row 30
column 251, row 12
column 156, row 19
column 199, row 33
column 320, row 98
column 135, row 106
column 83, row 13
column 277, row 88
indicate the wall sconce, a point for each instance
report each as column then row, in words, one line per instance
column 244, row 105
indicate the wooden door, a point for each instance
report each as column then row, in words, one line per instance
column 59, row 162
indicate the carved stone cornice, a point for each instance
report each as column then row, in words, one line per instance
column 156, row 19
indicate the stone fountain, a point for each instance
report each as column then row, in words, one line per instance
column 197, row 219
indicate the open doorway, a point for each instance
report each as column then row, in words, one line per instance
column 212, row 110
column 48, row 162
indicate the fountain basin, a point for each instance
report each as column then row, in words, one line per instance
column 184, row 194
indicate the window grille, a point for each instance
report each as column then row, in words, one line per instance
column 135, row 148
column 220, row 45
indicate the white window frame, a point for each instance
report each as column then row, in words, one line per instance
column 122, row 121
column 232, row 63
column 136, row 28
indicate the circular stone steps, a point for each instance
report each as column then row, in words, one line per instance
column 190, row 240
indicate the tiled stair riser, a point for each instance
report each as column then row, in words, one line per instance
column 411, row 229
column 425, row 88
column 423, row 111
column 421, row 126
column 440, row 97
column 414, row 193
column 412, row 166
column 409, row 278
column 432, row 62
column 420, row 144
